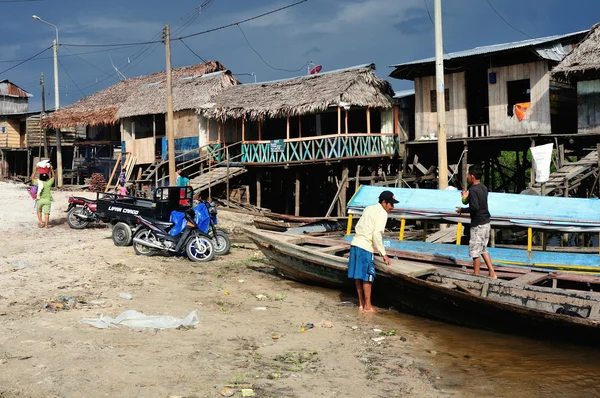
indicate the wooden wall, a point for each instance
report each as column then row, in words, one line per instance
column 456, row 115
column 186, row 124
column 12, row 137
column 588, row 106
column 537, row 120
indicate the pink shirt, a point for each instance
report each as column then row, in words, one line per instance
column 123, row 191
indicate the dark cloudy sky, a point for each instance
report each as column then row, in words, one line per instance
column 333, row 33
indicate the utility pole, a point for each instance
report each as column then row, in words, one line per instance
column 45, row 136
column 170, row 121
column 441, row 99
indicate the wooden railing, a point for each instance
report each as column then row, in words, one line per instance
column 325, row 147
column 479, row 130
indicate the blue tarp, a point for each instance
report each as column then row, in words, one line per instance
column 202, row 217
column 556, row 213
column 177, row 218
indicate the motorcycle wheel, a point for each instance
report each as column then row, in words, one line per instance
column 74, row 221
column 221, row 243
column 141, row 250
column 199, row 249
column 121, row 234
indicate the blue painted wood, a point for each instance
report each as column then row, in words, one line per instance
column 547, row 211
column 186, row 144
column 123, row 147
column 547, row 261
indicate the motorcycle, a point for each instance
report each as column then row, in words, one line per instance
column 81, row 212
column 181, row 236
column 219, row 236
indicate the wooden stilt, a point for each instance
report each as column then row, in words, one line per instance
column 424, row 231
column 368, row 120
column 297, row 195
column 346, row 121
column 260, row 129
column 357, row 182
column 532, row 174
column 465, row 165
column 300, row 126
column 343, row 190
column 288, row 128
column 339, row 126
column 258, row 189
column 243, row 128
column 492, row 237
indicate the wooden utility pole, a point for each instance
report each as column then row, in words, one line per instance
column 441, row 99
column 170, row 121
column 45, row 136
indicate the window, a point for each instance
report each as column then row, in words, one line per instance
column 518, row 91
column 433, row 94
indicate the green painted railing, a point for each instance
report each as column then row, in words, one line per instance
column 327, row 147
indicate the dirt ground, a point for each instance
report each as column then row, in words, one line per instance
column 50, row 353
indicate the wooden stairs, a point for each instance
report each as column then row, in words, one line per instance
column 215, row 176
column 148, row 174
column 570, row 175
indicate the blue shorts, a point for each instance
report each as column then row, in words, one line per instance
column 361, row 264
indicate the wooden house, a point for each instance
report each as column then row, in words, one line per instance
column 14, row 104
column 496, row 91
column 342, row 114
column 131, row 113
column 582, row 67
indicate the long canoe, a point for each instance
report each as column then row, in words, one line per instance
column 520, row 302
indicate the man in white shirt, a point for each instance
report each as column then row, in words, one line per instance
column 369, row 234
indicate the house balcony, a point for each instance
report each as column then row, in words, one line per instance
column 318, row 149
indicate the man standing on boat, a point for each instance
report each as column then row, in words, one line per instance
column 369, row 235
column 477, row 199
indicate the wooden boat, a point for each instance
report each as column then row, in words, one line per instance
column 521, row 302
column 277, row 226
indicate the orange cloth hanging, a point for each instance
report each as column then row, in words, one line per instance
column 521, row 109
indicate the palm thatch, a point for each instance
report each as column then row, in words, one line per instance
column 102, row 107
column 357, row 86
column 584, row 60
column 188, row 93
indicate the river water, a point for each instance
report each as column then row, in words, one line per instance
column 478, row 363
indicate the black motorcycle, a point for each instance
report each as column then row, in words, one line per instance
column 153, row 236
column 220, row 237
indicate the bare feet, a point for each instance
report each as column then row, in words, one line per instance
column 493, row 276
column 40, row 225
column 371, row 310
column 360, row 309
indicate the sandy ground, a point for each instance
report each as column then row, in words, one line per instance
column 47, row 353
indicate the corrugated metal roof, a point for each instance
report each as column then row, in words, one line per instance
column 404, row 93
column 547, row 52
column 9, row 89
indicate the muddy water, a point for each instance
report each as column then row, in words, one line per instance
column 480, row 363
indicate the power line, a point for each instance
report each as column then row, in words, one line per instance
column 262, row 59
column 433, row 23
column 192, row 51
column 505, row 21
column 26, row 60
column 68, row 74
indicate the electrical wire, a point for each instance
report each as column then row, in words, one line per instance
column 265, row 62
column 25, row 60
column 433, row 23
column 69, row 75
column 192, row 51
column 505, row 21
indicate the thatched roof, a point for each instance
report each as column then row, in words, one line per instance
column 103, row 106
column 584, row 59
column 188, row 93
column 357, row 86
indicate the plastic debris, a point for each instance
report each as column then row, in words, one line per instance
column 63, row 303
column 248, row 392
column 377, row 330
column 378, row 339
column 227, row 392
column 261, row 297
column 134, row 319
column 126, row 296
column 326, row 324
column 307, row 326
column 261, row 308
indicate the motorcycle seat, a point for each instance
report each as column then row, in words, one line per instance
column 86, row 200
column 159, row 223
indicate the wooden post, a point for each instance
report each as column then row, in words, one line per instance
column 424, row 231
column 170, row 121
column 343, row 189
column 532, row 174
column 117, row 164
column 368, row 120
column 561, row 155
column 339, row 120
column 357, row 182
column 397, row 124
column 349, row 226
column 465, row 164
column 219, row 132
column 260, row 129
column 529, row 239
column 297, row 195
column 402, row 227
column 258, row 189
column 243, row 128
column 544, row 241
column 459, row 228
column 346, row 121
column 565, row 236
column 227, row 156
column 288, row 128
column 300, row 126
column 493, row 237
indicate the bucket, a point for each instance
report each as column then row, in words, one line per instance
column 43, row 170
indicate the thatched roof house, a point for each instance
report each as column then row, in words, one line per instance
column 356, row 86
column 584, row 60
column 144, row 92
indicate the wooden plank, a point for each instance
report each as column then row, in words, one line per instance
column 530, row 278
column 117, row 164
column 410, row 268
column 334, row 249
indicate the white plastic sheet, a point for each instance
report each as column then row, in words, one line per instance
column 542, row 156
column 137, row 320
